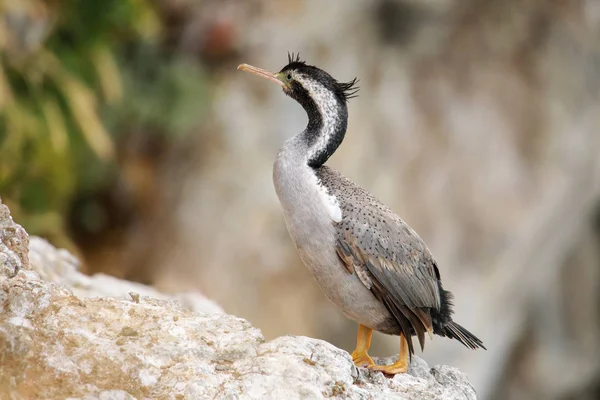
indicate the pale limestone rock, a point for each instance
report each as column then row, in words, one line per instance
column 109, row 348
column 150, row 349
column 59, row 266
column 13, row 244
column 64, row 335
column 106, row 395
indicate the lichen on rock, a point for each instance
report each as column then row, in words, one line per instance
column 65, row 335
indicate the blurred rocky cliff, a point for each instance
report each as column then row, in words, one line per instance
column 477, row 122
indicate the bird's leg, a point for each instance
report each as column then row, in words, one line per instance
column 400, row 366
column 363, row 342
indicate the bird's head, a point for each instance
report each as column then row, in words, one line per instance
column 305, row 83
column 322, row 97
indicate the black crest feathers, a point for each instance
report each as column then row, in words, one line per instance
column 294, row 58
column 294, row 62
column 345, row 90
column 349, row 89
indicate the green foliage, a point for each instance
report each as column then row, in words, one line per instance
column 63, row 100
column 167, row 97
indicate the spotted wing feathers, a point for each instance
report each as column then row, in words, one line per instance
column 393, row 262
column 404, row 291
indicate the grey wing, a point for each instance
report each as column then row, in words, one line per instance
column 395, row 264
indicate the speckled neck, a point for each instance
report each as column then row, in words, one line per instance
column 327, row 122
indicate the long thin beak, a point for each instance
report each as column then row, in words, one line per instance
column 263, row 73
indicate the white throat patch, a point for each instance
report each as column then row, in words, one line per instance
column 329, row 201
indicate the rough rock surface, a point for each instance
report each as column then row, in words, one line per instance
column 58, row 341
column 59, row 266
column 14, row 243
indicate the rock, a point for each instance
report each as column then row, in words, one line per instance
column 13, row 244
column 110, row 348
column 59, row 266
column 67, row 336
column 106, row 395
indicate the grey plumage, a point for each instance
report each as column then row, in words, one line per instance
column 314, row 233
column 388, row 257
column 395, row 252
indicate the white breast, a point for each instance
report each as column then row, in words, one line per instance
column 328, row 201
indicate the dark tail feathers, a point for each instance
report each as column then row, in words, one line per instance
column 444, row 326
column 455, row 331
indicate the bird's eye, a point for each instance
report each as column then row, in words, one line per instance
column 288, row 77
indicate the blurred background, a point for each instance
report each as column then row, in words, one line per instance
column 128, row 137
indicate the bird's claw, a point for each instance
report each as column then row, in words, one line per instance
column 393, row 369
column 362, row 359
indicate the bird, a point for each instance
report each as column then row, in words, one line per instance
column 367, row 261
